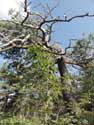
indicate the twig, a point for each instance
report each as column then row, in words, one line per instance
column 16, row 40
column 27, row 16
column 67, row 20
column 25, row 10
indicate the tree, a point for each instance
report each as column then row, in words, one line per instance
column 84, row 51
column 40, row 84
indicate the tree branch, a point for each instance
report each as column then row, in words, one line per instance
column 67, row 20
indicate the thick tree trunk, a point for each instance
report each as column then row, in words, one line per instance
column 66, row 83
column 62, row 67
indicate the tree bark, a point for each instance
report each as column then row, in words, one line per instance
column 66, row 83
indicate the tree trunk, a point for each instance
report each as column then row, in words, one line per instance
column 66, row 83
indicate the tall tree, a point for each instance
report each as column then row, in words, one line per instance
column 37, row 73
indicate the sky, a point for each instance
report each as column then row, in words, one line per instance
column 6, row 5
column 63, row 31
column 77, row 27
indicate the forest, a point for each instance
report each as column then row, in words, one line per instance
column 42, row 82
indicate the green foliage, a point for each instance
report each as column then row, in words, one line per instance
column 20, row 121
column 38, row 85
column 40, row 89
column 33, row 73
column 83, row 53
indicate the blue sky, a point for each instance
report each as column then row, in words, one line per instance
column 74, row 29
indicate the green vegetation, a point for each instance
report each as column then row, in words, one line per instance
column 38, row 85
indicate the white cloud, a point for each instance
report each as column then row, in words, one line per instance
column 6, row 5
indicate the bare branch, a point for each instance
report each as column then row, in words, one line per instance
column 5, row 49
column 27, row 16
column 14, row 42
column 67, row 20
column 25, row 10
column 37, row 14
column 25, row 6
